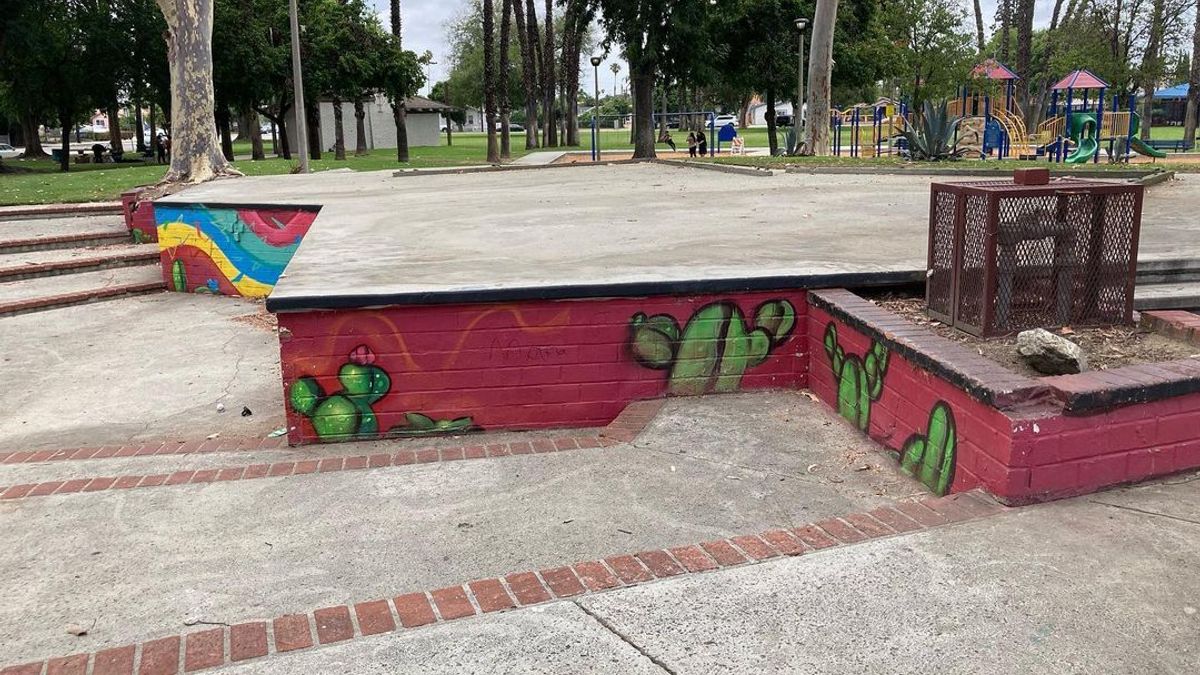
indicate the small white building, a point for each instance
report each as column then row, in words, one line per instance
column 758, row 112
column 424, row 123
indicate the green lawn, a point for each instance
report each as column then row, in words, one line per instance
column 40, row 182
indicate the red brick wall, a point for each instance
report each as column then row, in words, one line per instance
column 522, row 365
column 139, row 218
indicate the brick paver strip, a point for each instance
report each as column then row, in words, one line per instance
column 294, row 631
column 841, row 531
column 67, row 665
column 205, row 649
column 278, row 469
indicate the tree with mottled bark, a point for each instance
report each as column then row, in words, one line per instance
column 195, row 149
column 979, row 40
column 820, row 76
column 489, row 80
column 549, row 80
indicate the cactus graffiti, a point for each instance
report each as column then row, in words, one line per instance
column 716, row 347
column 930, row 457
column 345, row 413
column 859, row 380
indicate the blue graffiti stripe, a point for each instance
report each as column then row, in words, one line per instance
column 252, row 256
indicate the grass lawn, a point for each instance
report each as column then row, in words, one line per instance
column 40, row 182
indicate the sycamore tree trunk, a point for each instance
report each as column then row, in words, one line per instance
column 503, row 78
column 820, row 72
column 339, row 133
column 195, row 150
column 1193, row 98
column 399, row 113
column 360, row 128
column 489, row 80
column 641, row 78
column 527, row 37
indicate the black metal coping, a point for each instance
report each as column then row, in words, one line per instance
column 166, row 201
column 982, row 379
column 588, row 291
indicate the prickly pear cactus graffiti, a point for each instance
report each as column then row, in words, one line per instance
column 421, row 425
column 859, row 380
column 930, row 457
column 714, row 349
column 345, row 413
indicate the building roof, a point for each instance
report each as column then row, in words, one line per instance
column 1080, row 79
column 994, row 70
column 1178, row 91
column 422, row 104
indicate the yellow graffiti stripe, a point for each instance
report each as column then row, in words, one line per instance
column 172, row 235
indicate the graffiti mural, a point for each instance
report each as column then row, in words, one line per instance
column 226, row 250
column 859, row 381
column 930, row 457
column 714, row 349
column 349, row 413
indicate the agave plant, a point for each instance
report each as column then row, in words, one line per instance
column 933, row 136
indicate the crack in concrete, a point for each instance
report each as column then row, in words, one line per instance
column 624, row 638
column 1145, row 511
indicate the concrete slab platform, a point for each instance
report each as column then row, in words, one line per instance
column 597, row 229
column 559, row 638
column 141, row 562
column 1066, row 587
column 139, row 368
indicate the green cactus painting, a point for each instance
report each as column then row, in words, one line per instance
column 859, row 380
column 417, row 424
column 716, row 347
column 930, row 457
column 346, row 413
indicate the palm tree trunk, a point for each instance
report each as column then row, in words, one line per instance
column 641, row 78
column 339, row 133
column 360, row 128
column 979, row 42
column 548, row 79
column 1193, row 99
column 399, row 113
column 527, row 26
column 505, row 102
column 489, row 80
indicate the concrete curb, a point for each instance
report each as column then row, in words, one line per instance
column 55, row 210
column 738, row 169
column 79, row 298
column 1155, row 179
column 509, row 167
column 969, row 173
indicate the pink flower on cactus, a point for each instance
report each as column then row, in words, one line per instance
column 362, row 355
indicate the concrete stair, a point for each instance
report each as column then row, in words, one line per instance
column 1167, row 284
column 58, row 261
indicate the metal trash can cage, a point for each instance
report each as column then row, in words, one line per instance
column 1005, row 257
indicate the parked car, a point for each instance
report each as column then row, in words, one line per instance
column 784, row 120
column 9, row 152
column 513, row 128
column 724, row 120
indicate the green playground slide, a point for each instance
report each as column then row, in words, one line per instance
column 1084, row 150
column 1142, row 149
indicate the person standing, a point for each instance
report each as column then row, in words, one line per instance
column 691, row 144
column 702, row 143
column 160, row 152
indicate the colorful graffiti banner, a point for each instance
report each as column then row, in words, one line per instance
column 228, row 250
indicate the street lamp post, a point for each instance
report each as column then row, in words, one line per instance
column 298, row 86
column 798, row 113
column 596, row 60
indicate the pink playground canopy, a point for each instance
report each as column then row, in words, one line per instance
column 1080, row 79
column 993, row 69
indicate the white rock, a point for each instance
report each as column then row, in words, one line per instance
column 1050, row 354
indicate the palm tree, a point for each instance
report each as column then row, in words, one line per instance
column 489, row 80
column 398, row 109
column 615, row 68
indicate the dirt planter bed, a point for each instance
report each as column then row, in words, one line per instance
column 962, row 421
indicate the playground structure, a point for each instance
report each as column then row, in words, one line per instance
column 1082, row 119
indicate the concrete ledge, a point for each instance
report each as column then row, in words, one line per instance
column 713, row 166
column 493, row 168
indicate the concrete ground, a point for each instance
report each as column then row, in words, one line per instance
column 1108, row 583
column 138, row 564
column 617, row 224
column 141, row 368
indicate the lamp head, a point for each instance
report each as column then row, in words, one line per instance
column 596, row 61
column 801, row 24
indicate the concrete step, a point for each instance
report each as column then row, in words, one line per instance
column 42, row 234
column 1168, row 271
column 31, row 295
column 56, row 262
column 26, row 211
column 1174, row 295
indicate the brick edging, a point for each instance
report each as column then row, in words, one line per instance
column 627, row 425
column 79, row 297
column 54, row 267
column 225, row 645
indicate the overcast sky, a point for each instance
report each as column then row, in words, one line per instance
column 425, row 28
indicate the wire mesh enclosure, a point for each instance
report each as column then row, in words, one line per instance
column 1005, row 257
